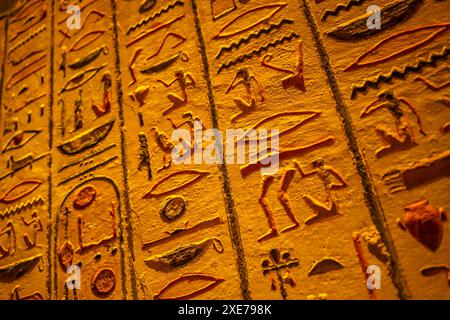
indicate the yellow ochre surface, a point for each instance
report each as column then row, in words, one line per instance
column 87, row 185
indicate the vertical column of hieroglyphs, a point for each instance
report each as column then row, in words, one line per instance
column 306, row 230
column 394, row 81
column 183, row 247
column 89, row 228
column 24, row 184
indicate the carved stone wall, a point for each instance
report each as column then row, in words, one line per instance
column 87, row 184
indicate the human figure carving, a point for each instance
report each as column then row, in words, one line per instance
column 144, row 155
column 283, row 197
column 106, row 107
column 184, row 80
column 331, row 180
column 248, row 103
column 404, row 138
column 190, row 120
column 166, row 145
column 37, row 227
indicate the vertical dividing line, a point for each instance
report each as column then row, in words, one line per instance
column 5, row 54
column 233, row 222
column 372, row 201
column 128, row 218
column 50, row 159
